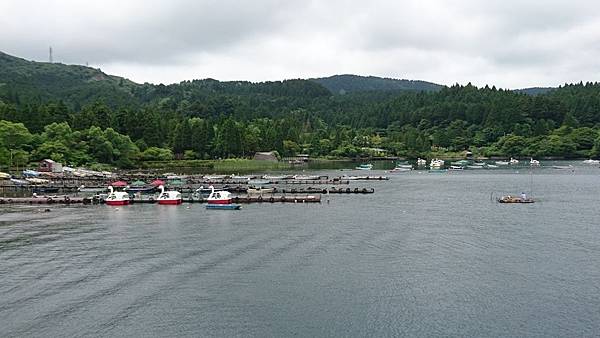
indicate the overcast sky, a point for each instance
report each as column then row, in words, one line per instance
column 510, row 44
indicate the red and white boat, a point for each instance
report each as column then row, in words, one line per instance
column 116, row 197
column 218, row 197
column 171, row 197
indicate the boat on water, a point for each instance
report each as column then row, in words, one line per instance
column 455, row 168
column 306, row 177
column 224, row 206
column 502, row 163
column 220, row 200
column 240, row 178
column 218, row 197
column 461, row 163
column 277, row 177
column 17, row 181
column 563, row 167
column 436, row 163
column 4, row 176
column 400, row 170
column 404, row 166
column 116, row 197
column 475, row 167
column 35, row 180
column 259, row 190
column 513, row 161
column 534, row 163
column 592, row 162
column 491, row 166
column 367, row 166
column 421, row 162
column 94, row 190
column 214, row 177
column 171, row 197
column 30, row 173
column 515, row 199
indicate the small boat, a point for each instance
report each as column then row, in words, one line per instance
column 83, row 188
column 455, row 168
column 218, row 197
column 45, row 190
column 277, row 177
column 4, row 176
column 16, row 181
column 475, row 167
column 240, row 178
column 214, row 177
column 480, row 164
column 590, row 161
column 259, row 190
column 515, row 199
column 502, row 163
column 491, row 166
column 258, row 182
column 224, row 206
column 400, row 170
column 367, row 166
column 534, row 163
column 140, row 189
column 171, row 197
column 36, row 180
column 513, row 161
column 306, row 177
column 421, row 162
column 116, row 197
column 436, row 163
column 563, row 167
column 404, row 166
column 30, row 173
column 461, row 163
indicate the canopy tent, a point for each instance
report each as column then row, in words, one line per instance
column 119, row 184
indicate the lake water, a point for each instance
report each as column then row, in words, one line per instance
column 426, row 255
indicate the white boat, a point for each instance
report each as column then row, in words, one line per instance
column 259, row 190
column 502, row 163
column 563, row 167
column 277, row 177
column 218, row 197
column 481, row 164
column 116, row 197
column 258, row 181
column 455, row 168
column 214, row 177
column 306, row 177
column 400, row 170
column 491, row 166
column 421, row 162
column 240, row 178
column 36, row 180
column 4, row 176
column 405, row 166
column 367, row 166
column 513, row 161
column 475, row 167
column 436, row 163
column 534, row 163
column 590, row 161
column 171, row 197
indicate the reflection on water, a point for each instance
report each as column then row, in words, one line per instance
column 425, row 255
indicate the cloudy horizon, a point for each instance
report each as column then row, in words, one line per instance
column 509, row 44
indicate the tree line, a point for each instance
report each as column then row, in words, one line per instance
column 208, row 119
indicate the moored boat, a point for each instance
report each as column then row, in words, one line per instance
column 218, row 197
column 515, row 199
column 455, row 168
column 171, row 197
column 306, row 177
column 513, row 161
column 592, row 162
column 367, row 166
column 534, row 163
column 502, row 163
column 116, row 197
column 436, row 163
column 421, row 162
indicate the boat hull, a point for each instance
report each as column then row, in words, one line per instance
column 169, row 202
column 117, row 202
column 223, row 206
column 219, row 202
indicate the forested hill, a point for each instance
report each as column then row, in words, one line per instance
column 80, row 115
column 29, row 81
column 347, row 83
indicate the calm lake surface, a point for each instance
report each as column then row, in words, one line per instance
column 426, row 255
